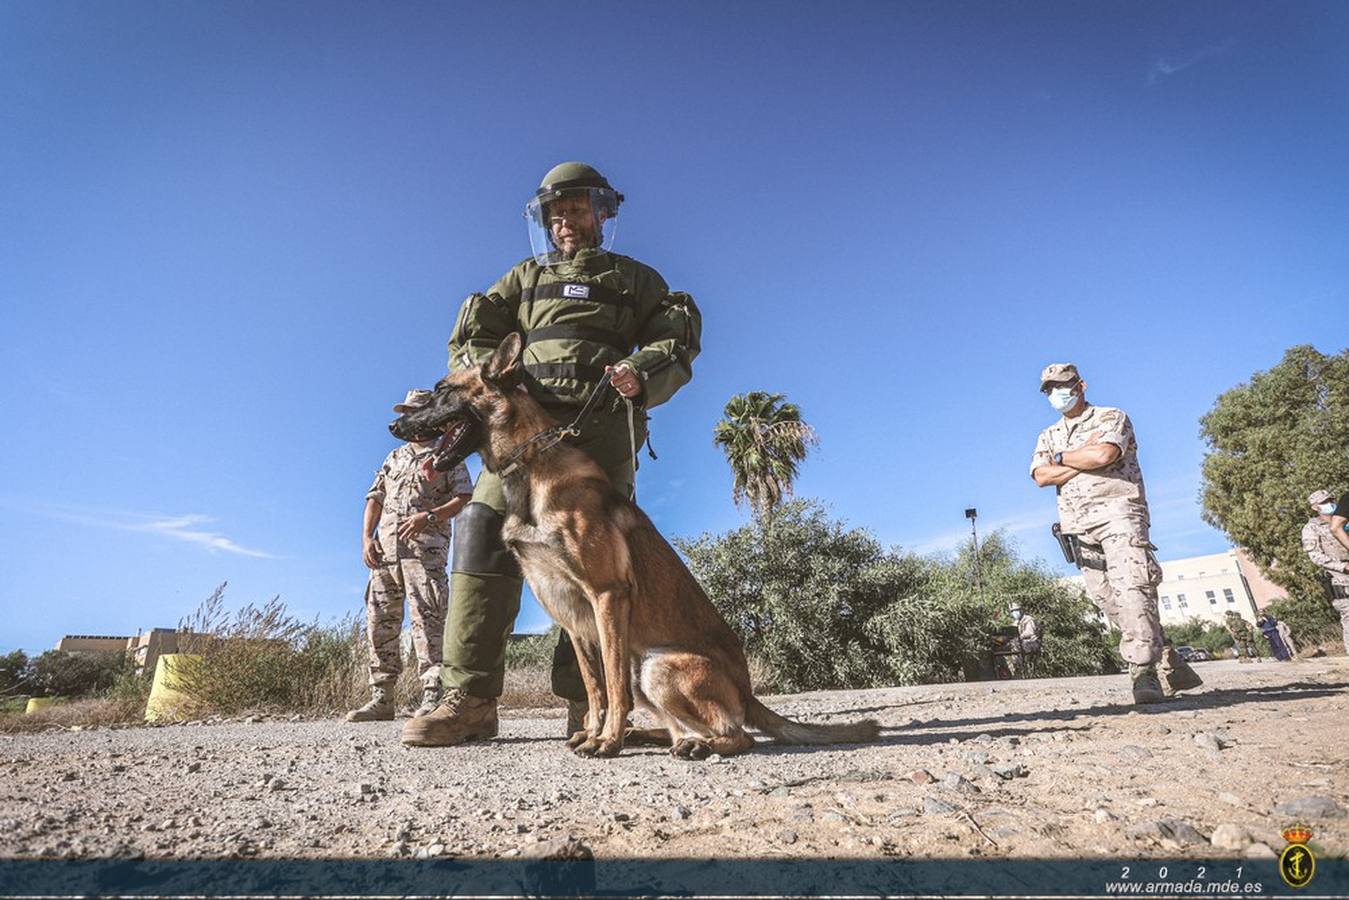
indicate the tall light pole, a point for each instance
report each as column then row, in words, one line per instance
column 973, row 514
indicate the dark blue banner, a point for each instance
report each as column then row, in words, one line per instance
column 645, row 877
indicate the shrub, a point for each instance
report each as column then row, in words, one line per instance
column 819, row 605
column 801, row 591
column 263, row 658
column 533, row 651
column 1311, row 619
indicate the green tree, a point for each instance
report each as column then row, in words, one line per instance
column 1272, row 441
column 765, row 440
column 14, row 673
column 60, row 674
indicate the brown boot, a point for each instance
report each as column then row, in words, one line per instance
column 379, row 709
column 460, row 717
column 1175, row 673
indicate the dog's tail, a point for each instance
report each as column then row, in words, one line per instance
column 789, row 732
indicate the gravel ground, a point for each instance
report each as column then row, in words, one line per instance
column 1029, row 769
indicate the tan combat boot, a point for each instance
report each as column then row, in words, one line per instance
column 379, row 709
column 430, row 700
column 1147, row 687
column 460, row 717
column 1176, row 674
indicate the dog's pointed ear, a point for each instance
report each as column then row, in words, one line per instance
column 504, row 368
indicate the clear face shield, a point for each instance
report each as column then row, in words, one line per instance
column 572, row 222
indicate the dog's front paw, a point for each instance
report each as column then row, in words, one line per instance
column 690, row 748
column 598, row 747
column 578, row 738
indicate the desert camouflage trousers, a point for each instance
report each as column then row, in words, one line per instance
column 422, row 582
column 1342, row 607
column 1121, row 575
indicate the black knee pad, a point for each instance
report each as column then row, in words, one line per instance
column 478, row 548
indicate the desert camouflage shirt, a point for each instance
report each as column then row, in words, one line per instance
column 1104, row 495
column 402, row 490
column 1324, row 550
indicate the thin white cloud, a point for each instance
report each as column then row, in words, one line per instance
column 1163, row 68
column 181, row 528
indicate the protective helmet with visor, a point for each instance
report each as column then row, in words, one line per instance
column 574, row 213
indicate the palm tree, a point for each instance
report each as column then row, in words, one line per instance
column 765, row 442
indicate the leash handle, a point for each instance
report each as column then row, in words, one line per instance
column 574, row 429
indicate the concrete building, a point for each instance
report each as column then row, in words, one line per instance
column 92, row 643
column 1205, row 587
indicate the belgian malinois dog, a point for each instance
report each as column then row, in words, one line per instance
column 642, row 627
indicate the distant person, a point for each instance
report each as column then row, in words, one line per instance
column 1243, row 639
column 405, row 539
column 1028, row 631
column 1090, row 457
column 1286, row 634
column 1027, row 640
column 1325, row 548
column 1269, row 627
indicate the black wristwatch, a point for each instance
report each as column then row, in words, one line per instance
column 1058, row 459
column 431, row 517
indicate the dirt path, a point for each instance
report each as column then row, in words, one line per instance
column 1049, row 768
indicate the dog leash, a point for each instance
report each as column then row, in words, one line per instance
column 553, row 436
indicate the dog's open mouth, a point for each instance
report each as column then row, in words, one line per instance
column 453, row 447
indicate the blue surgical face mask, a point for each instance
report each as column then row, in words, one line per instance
column 1326, row 508
column 1062, row 399
column 1016, row 614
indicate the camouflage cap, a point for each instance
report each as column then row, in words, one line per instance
column 1058, row 372
column 1319, row 497
column 416, row 399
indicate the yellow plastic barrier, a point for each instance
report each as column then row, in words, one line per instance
column 168, row 702
column 36, row 703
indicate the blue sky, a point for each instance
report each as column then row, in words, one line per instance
column 233, row 234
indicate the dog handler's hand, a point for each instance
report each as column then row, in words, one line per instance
column 412, row 526
column 370, row 553
column 625, row 380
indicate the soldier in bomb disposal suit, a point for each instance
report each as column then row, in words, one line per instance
column 1091, row 458
column 1322, row 547
column 588, row 315
column 404, row 540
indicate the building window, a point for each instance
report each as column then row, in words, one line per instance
column 1227, row 594
column 1180, row 577
column 1212, row 598
column 1180, row 601
column 1166, row 603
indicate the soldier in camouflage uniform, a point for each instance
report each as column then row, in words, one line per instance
column 1243, row 638
column 587, row 315
column 405, row 538
column 1322, row 548
column 1091, row 458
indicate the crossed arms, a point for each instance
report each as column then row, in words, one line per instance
column 1094, row 454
